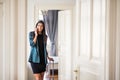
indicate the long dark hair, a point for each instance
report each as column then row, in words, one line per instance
column 43, row 31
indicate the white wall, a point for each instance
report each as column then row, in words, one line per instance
column 118, row 42
column 1, row 40
column 4, row 40
column 13, row 61
column 113, row 31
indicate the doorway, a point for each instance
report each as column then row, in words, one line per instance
column 64, row 37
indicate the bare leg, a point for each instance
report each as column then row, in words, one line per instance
column 42, row 75
column 37, row 77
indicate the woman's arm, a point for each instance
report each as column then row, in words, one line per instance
column 36, row 34
column 33, row 37
column 49, row 58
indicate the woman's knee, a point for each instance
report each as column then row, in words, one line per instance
column 42, row 75
column 37, row 76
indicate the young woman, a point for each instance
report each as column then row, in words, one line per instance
column 38, row 54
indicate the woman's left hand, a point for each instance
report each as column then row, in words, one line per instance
column 50, row 59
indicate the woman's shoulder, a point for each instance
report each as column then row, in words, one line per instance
column 31, row 33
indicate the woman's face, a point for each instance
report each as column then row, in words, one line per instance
column 40, row 27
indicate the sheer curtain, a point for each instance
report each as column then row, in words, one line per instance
column 51, row 24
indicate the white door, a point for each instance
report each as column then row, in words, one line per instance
column 64, row 44
column 89, row 40
column 1, row 41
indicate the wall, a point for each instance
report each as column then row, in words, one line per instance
column 13, row 61
column 1, row 39
column 118, row 42
column 5, row 40
column 113, row 24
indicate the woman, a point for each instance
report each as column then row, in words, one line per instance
column 38, row 54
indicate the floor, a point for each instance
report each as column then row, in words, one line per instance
column 50, row 77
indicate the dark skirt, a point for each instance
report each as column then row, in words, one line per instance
column 38, row 68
